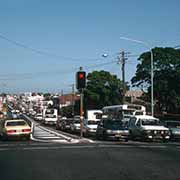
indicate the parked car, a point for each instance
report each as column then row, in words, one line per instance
column 174, row 127
column 14, row 128
column 112, row 129
column 147, row 127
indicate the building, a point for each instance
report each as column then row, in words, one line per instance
column 133, row 95
column 68, row 99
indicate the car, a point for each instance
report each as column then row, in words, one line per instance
column 75, row 125
column 174, row 127
column 38, row 117
column 91, row 127
column 64, row 124
column 147, row 127
column 14, row 128
column 112, row 129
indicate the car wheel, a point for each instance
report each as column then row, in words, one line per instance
column 126, row 139
column 28, row 138
column 97, row 136
column 131, row 135
column 165, row 140
column 4, row 137
column 104, row 136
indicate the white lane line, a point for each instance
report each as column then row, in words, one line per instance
column 48, row 137
column 53, row 132
column 70, row 139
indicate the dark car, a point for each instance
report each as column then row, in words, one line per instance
column 174, row 127
column 112, row 129
column 64, row 124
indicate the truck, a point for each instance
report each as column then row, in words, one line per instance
column 50, row 116
column 91, row 122
column 94, row 115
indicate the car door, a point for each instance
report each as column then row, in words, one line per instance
column 137, row 130
column 100, row 128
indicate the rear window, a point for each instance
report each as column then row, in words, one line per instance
column 16, row 123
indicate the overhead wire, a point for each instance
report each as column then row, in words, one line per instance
column 40, row 51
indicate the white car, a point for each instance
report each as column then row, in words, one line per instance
column 147, row 127
column 39, row 117
column 14, row 128
column 91, row 127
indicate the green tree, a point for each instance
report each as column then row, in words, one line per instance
column 166, row 78
column 102, row 89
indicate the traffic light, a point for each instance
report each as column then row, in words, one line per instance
column 80, row 80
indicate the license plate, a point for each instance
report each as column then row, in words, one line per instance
column 117, row 135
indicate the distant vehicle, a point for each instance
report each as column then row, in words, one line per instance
column 147, row 127
column 14, row 128
column 50, row 116
column 123, row 112
column 38, row 117
column 94, row 115
column 91, row 127
column 75, row 126
column 174, row 127
column 15, row 114
column 64, row 124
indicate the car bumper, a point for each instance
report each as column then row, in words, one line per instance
column 117, row 136
column 157, row 137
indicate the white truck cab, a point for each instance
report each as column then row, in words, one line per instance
column 147, row 127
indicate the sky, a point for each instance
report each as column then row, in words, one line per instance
column 43, row 43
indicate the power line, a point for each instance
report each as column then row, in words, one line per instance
column 41, row 52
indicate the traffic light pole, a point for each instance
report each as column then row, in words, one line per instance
column 81, row 113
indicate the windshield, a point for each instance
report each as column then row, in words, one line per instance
column 76, row 121
column 150, row 122
column 50, row 111
column 92, row 122
column 16, row 123
column 114, row 124
column 173, row 124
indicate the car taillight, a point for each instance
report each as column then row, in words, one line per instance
column 26, row 130
column 11, row 131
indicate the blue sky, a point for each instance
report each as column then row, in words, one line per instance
column 77, row 33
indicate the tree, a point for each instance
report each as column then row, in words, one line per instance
column 166, row 78
column 102, row 89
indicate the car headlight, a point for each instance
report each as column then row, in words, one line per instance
column 108, row 131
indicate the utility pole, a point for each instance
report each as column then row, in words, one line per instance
column 122, row 60
column 73, row 100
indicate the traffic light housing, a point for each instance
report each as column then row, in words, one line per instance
column 80, row 80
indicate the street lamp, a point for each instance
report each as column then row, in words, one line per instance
column 152, row 69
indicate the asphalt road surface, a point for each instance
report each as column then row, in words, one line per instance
column 52, row 161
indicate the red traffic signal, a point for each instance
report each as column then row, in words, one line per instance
column 80, row 79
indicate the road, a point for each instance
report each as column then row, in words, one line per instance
column 54, row 161
column 51, row 155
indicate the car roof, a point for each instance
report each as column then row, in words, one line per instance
column 11, row 120
column 145, row 117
